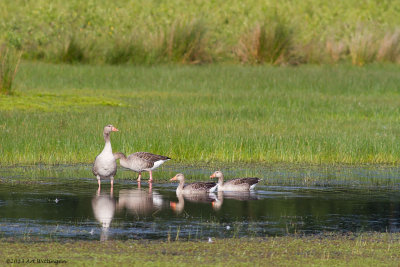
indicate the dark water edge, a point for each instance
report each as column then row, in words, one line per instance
column 61, row 202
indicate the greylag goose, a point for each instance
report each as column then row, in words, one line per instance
column 141, row 161
column 193, row 188
column 105, row 165
column 239, row 184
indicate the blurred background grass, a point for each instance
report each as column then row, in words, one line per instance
column 251, row 32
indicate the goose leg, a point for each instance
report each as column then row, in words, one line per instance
column 98, row 181
column 139, row 177
column 112, row 182
column 151, row 176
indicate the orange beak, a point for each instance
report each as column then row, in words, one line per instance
column 114, row 129
column 173, row 178
column 172, row 205
column 213, row 175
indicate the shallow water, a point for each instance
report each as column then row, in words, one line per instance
column 51, row 203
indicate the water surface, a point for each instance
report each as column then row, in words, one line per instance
column 61, row 202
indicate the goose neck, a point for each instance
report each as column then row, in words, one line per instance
column 221, row 180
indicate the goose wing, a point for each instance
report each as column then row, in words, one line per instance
column 147, row 158
column 200, row 186
column 249, row 180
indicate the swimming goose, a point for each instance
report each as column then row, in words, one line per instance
column 198, row 187
column 141, row 161
column 239, row 184
column 105, row 165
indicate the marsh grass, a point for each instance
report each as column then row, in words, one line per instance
column 73, row 51
column 369, row 249
column 9, row 63
column 204, row 114
column 127, row 50
column 389, row 50
column 268, row 42
column 363, row 46
column 185, row 42
column 190, row 33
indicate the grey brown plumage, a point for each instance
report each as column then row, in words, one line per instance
column 197, row 187
column 141, row 161
column 238, row 184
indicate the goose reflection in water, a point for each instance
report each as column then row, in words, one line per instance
column 203, row 197
column 236, row 195
column 103, row 206
column 140, row 201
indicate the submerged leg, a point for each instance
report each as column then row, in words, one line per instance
column 139, row 177
column 112, row 182
column 151, row 176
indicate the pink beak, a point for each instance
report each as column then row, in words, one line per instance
column 114, row 129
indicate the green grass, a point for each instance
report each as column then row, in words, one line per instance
column 369, row 249
column 216, row 113
column 126, row 31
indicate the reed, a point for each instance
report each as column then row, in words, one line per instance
column 389, row 50
column 185, row 43
column 362, row 47
column 269, row 42
column 9, row 63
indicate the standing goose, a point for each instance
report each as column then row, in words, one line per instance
column 198, row 187
column 141, row 161
column 239, row 184
column 105, row 165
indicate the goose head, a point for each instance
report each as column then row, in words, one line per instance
column 110, row 128
column 179, row 177
column 217, row 174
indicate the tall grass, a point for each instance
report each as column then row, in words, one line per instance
column 389, row 49
column 363, row 47
column 9, row 62
column 186, row 43
column 307, row 114
column 175, row 31
column 265, row 43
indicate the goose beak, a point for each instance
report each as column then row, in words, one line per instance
column 172, row 205
column 114, row 129
column 173, row 178
column 213, row 175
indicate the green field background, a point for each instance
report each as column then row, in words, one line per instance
column 307, row 114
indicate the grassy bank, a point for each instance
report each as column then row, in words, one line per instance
column 370, row 249
column 149, row 32
column 308, row 114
